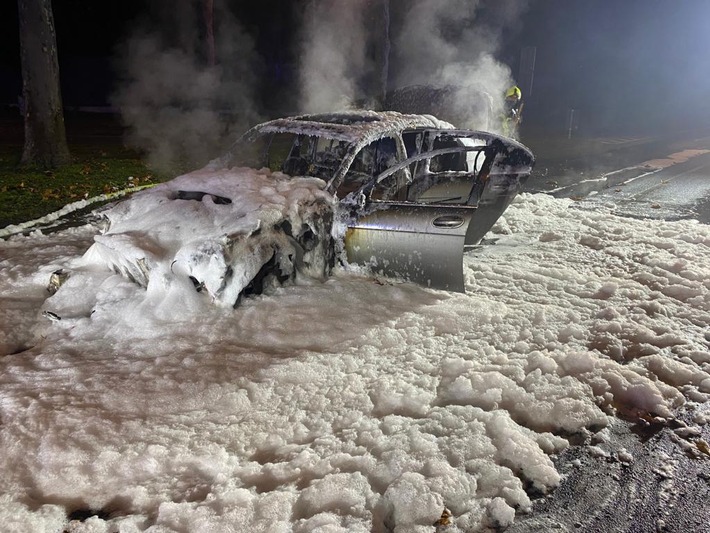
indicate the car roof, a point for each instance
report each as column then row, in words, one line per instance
column 360, row 127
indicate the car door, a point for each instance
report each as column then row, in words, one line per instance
column 421, row 243
column 400, row 231
column 418, row 241
column 463, row 166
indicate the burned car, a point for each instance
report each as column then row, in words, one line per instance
column 402, row 194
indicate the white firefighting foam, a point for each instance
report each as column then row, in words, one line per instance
column 350, row 404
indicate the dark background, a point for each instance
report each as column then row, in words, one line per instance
column 90, row 34
column 629, row 67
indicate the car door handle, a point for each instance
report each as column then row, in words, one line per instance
column 448, row 221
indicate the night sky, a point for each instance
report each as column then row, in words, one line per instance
column 628, row 66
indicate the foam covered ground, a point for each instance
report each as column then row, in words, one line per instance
column 346, row 405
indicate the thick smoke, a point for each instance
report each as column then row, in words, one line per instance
column 434, row 36
column 183, row 107
column 446, row 47
column 176, row 105
column 452, row 44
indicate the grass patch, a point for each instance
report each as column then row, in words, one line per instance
column 28, row 194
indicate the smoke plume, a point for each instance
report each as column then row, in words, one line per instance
column 177, row 106
column 184, row 97
column 333, row 57
column 442, row 44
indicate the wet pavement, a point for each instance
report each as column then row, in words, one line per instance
column 578, row 167
column 631, row 478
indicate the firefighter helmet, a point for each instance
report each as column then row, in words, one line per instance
column 514, row 92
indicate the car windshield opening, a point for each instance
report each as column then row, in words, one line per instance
column 295, row 154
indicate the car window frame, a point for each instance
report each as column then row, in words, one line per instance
column 337, row 181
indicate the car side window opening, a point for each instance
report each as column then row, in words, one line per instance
column 296, row 161
column 413, row 141
column 449, row 177
column 452, row 162
column 369, row 162
column 392, row 188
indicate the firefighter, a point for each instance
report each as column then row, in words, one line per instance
column 512, row 111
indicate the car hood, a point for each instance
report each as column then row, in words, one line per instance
column 215, row 226
column 212, row 201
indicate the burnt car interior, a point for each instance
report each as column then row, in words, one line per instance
column 451, row 171
column 371, row 161
column 431, row 166
column 415, row 197
column 416, row 219
column 438, row 177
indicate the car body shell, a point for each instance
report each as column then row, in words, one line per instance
column 442, row 190
column 403, row 195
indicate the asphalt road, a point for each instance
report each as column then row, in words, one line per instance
column 635, row 176
column 681, row 190
column 635, row 478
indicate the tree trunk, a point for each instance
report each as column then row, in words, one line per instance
column 378, row 27
column 384, row 54
column 208, row 13
column 45, row 134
